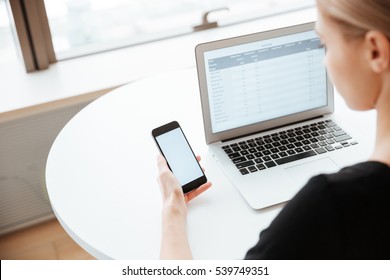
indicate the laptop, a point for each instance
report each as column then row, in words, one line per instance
column 267, row 106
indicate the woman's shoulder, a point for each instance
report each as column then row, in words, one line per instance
column 361, row 182
column 363, row 174
column 353, row 175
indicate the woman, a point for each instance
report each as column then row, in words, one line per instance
column 345, row 215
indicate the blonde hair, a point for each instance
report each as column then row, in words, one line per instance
column 356, row 17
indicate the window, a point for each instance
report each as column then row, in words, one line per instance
column 80, row 27
column 51, row 30
column 8, row 49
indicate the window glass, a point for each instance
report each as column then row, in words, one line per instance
column 8, row 48
column 82, row 27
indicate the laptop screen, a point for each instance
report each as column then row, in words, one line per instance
column 264, row 80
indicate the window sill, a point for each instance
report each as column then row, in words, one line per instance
column 75, row 77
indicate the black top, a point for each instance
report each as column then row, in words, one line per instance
column 345, row 215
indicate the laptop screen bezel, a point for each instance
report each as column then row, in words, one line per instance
column 264, row 125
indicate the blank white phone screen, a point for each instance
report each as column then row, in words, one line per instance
column 179, row 156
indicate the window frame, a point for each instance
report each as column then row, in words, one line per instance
column 35, row 39
column 33, row 32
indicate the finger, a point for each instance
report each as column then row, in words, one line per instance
column 198, row 191
column 199, row 159
column 162, row 164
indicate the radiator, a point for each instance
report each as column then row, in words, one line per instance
column 25, row 142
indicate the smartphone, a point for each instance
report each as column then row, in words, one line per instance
column 181, row 160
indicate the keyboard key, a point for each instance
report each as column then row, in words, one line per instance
column 322, row 132
column 342, row 138
column 258, row 154
column 268, row 146
column 260, row 166
column 282, row 148
column 314, row 146
column 266, row 152
column 260, row 148
column 290, row 146
column 276, row 144
column 266, row 158
column 320, row 150
column 329, row 148
column 245, row 164
column 238, row 160
column 329, row 123
column 298, row 144
column 291, row 152
column 252, row 169
column 234, row 155
column 274, row 156
column 270, row 164
column 299, row 150
column 295, row 157
column 258, row 160
column 244, row 171
column 338, row 133
column 283, row 154
column 329, row 129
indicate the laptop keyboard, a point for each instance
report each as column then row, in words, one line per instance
column 283, row 147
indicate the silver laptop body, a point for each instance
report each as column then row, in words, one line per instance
column 259, row 88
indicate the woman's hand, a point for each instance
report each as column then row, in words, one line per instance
column 170, row 187
column 174, row 241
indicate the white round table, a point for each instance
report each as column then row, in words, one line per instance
column 101, row 175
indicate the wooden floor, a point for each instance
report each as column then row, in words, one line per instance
column 45, row 241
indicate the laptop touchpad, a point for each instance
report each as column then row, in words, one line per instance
column 301, row 173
